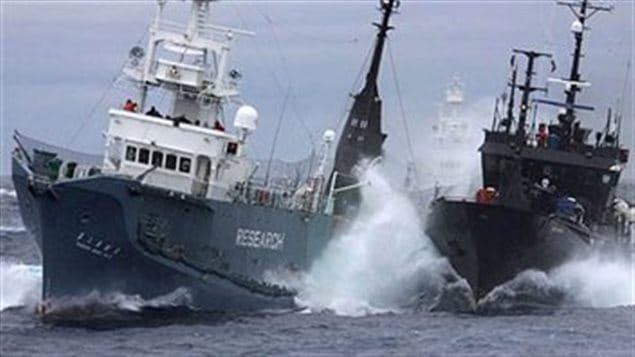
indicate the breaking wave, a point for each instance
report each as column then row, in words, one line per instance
column 116, row 310
column 96, row 304
column 14, row 228
column 20, row 284
column 382, row 263
column 20, row 287
column 8, row 193
column 597, row 281
column 530, row 290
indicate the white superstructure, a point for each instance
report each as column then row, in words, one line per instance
column 187, row 149
column 451, row 128
column 450, row 147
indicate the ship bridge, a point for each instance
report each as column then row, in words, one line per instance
column 178, row 156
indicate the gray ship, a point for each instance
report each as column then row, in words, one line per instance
column 172, row 204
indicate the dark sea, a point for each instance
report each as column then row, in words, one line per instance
column 597, row 318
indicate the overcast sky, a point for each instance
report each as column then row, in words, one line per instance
column 59, row 58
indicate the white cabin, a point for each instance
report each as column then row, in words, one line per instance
column 185, row 150
column 184, row 157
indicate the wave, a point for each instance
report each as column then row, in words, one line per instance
column 596, row 281
column 96, row 304
column 600, row 280
column 8, row 193
column 20, row 284
column 382, row 263
column 12, row 228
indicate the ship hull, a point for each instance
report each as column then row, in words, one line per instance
column 113, row 235
column 489, row 244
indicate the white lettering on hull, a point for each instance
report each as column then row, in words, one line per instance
column 97, row 247
column 253, row 238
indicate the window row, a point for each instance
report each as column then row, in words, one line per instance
column 158, row 159
column 363, row 124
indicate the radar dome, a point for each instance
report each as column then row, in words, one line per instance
column 246, row 118
column 577, row 27
column 328, row 136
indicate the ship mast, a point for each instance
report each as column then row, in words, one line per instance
column 527, row 89
column 362, row 137
column 582, row 10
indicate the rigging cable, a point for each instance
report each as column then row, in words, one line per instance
column 354, row 89
column 275, row 136
column 91, row 112
column 106, row 91
column 291, row 91
column 403, row 111
column 278, row 84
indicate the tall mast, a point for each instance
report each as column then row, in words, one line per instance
column 527, row 89
column 510, row 102
column 582, row 10
column 387, row 7
column 362, row 136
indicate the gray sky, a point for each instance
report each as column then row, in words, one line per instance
column 58, row 59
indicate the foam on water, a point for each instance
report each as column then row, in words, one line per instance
column 598, row 280
column 8, row 193
column 382, row 263
column 97, row 304
column 20, row 284
column 12, row 228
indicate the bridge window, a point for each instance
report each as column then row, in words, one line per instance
column 354, row 122
column 144, row 156
column 185, row 165
column 157, row 158
column 131, row 153
column 170, row 162
column 363, row 124
column 232, row 148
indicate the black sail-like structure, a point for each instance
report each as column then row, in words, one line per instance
column 362, row 136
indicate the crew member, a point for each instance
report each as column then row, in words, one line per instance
column 130, row 106
column 485, row 195
column 218, row 125
column 153, row 112
column 541, row 136
column 544, row 195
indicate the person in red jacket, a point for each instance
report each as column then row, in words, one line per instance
column 130, row 106
column 541, row 135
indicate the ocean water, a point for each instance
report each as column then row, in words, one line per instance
column 362, row 297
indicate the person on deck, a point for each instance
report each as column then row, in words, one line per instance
column 130, row 106
column 218, row 126
column 153, row 112
column 542, row 135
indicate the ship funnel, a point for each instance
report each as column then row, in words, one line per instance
column 246, row 120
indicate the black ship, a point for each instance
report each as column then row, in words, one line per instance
column 549, row 193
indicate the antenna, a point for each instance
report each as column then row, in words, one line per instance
column 495, row 116
column 583, row 10
column 527, row 89
column 512, row 92
column 275, row 137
